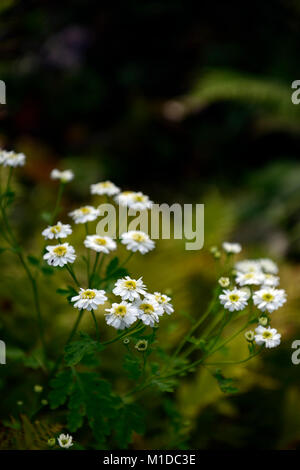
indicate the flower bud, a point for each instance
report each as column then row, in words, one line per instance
column 249, row 335
column 224, row 281
column 141, row 345
column 126, row 341
column 51, row 442
column 38, row 388
column 263, row 321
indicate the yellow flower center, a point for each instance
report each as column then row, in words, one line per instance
column 267, row 334
column 88, row 294
column 138, row 237
column 268, row 297
column 100, row 241
column 60, row 250
column 121, row 310
column 85, row 210
column 139, row 198
column 147, row 308
column 234, row 297
column 105, row 184
column 55, row 229
column 249, row 275
column 130, row 284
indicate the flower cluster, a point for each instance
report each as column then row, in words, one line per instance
column 12, row 159
column 136, row 304
column 255, row 284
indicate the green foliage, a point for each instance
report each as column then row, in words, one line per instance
column 132, row 365
column 130, row 418
column 76, row 350
column 225, row 384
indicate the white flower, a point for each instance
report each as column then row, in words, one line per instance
column 248, row 266
column 139, row 202
column 163, row 300
column 84, row 214
column 231, row 247
column 250, row 279
column 268, row 266
column 64, row 176
column 267, row 336
column 235, row 299
column 65, row 440
column 106, row 187
column 149, row 311
column 100, row 244
column 59, row 255
column 121, row 315
column 124, row 198
column 57, row 231
column 89, row 299
column 137, row 241
column 12, row 159
column 270, row 280
column 269, row 299
column 129, row 289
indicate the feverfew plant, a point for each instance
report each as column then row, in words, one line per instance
column 125, row 313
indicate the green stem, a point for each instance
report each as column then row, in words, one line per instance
column 94, row 269
column 88, row 255
column 233, row 362
column 71, row 335
column 70, row 269
column 58, row 201
column 96, row 325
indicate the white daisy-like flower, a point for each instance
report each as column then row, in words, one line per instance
column 270, row 280
column 247, row 266
column 129, row 289
column 121, row 315
column 100, row 244
column 269, row 298
column 89, row 299
column 268, row 266
column 57, row 231
column 12, row 159
column 106, row 187
column 250, row 279
column 84, row 214
column 163, row 300
column 59, row 255
column 235, row 299
column 149, row 311
column 231, row 248
column 124, row 198
column 135, row 240
column 65, row 440
column 267, row 336
column 139, row 201
column 64, row 176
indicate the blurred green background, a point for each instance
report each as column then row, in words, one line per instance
column 188, row 105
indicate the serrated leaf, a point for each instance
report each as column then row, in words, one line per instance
column 62, row 387
column 76, row 350
column 130, row 419
column 225, row 384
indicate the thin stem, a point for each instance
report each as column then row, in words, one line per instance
column 58, row 201
column 94, row 269
column 71, row 335
column 96, row 325
column 88, row 254
column 70, row 269
column 233, row 362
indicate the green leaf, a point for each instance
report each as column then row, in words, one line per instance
column 225, row 384
column 167, row 385
column 130, row 419
column 76, row 350
column 62, row 387
column 132, row 365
